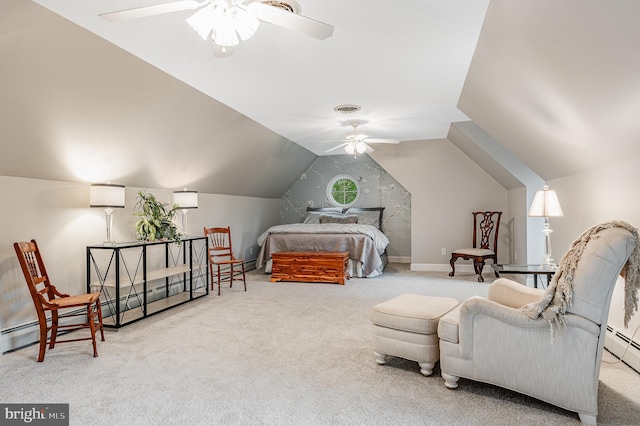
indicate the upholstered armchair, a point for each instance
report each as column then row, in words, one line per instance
column 492, row 340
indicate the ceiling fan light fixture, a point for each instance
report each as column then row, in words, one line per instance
column 203, row 20
column 361, row 147
column 350, row 148
column 223, row 23
column 246, row 24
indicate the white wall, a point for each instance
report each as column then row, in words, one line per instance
column 595, row 197
column 519, row 225
column 446, row 186
column 57, row 215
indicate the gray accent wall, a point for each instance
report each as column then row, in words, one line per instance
column 377, row 189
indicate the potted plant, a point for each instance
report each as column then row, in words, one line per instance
column 155, row 219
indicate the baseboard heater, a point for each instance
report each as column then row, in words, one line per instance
column 27, row 334
column 617, row 342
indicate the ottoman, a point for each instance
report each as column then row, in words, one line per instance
column 407, row 327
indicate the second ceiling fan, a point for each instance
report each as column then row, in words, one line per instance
column 357, row 142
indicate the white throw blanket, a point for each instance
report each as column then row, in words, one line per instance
column 559, row 293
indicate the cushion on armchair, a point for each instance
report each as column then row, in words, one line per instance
column 513, row 294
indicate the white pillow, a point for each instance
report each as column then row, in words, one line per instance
column 312, row 217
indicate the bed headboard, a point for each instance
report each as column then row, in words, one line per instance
column 348, row 210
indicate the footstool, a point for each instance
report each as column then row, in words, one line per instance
column 407, row 327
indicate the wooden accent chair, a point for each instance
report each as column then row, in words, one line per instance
column 485, row 225
column 221, row 257
column 49, row 299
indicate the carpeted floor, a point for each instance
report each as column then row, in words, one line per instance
column 281, row 354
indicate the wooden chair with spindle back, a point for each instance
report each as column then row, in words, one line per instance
column 47, row 299
column 221, row 258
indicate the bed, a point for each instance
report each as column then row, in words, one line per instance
column 357, row 230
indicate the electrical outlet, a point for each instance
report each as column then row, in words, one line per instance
column 443, row 251
column 250, row 251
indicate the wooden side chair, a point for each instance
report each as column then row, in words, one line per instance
column 47, row 299
column 485, row 243
column 221, row 258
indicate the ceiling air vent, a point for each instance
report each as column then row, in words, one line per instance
column 346, row 109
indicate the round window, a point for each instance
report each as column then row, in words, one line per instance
column 343, row 191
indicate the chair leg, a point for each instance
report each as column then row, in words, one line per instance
column 43, row 338
column 381, row 359
column 244, row 278
column 452, row 262
column 219, row 280
column 99, row 311
column 213, row 279
column 231, row 276
column 92, row 327
column 479, row 266
column 450, row 381
column 54, row 329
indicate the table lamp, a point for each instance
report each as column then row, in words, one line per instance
column 109, row 196
column 185, row 200
column 545, row 204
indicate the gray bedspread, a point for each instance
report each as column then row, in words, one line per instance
column 364, row 243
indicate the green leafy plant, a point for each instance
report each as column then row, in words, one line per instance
column 155, row 219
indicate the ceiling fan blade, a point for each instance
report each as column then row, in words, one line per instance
column 337, row 147
column 142, row 12
column 371, row 140
column 369, row 149
column 291, row 21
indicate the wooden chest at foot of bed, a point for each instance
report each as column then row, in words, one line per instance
column 310, row 266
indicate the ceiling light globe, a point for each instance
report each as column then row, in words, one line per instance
column 350, row 148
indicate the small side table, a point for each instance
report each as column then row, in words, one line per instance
column 534, row 270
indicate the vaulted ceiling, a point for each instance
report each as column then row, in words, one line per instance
column 558, row 83
column 403, row 62
column 148, row 103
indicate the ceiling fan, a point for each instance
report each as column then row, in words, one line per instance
column 223, row 21
column 357, row 142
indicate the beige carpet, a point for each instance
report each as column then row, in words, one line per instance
column 281, row 354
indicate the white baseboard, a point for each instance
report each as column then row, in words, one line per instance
column 399, row 259
column 617, row 342
column 445, row 267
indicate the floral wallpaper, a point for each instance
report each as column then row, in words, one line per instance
column 377, row 189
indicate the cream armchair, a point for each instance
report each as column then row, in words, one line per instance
column 493, row 341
